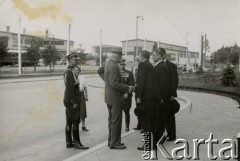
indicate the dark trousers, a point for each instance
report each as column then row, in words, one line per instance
column 126, row 108
column 170, row 122
column 72, row 127
column 114, row 125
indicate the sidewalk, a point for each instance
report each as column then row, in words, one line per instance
column 209, row 114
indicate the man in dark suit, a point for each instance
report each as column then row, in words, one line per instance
column 146, row 93
column 114, row 91
column 167, row 84
column 72, row 104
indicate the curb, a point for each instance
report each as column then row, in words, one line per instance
column 95, row 148
column 229, row 95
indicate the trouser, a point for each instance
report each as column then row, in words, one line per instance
column 170, row 122
column 72, row 127
column 126, row 108
column 114, row 125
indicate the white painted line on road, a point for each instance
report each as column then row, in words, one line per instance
column 95, row 148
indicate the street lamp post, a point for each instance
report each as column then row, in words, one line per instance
column 137, row 35
column 187, row 56
column 19, row 49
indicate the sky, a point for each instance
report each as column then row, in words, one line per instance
column 167, row 21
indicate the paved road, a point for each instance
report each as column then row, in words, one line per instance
column 32, row 121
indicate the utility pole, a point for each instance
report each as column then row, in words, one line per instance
column 100, row 53
column 68, row 41
column 202, row 46
column 137, row 35
column 19, row 49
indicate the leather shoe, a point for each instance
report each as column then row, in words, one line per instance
column 121, row 144
column 136, row 128
column 140, row 148
column 84, row 129
column 69, row 145
column 119, row 147
column 78, row 146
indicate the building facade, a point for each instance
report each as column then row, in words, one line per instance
column 106, row 49
column 175, row 53
column 10, row 39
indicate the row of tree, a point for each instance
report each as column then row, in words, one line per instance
column 226, row 55
column 49, row 54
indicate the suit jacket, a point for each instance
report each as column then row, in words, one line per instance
column 167, row 79
column 173, row 78
column 70, row 94
column 114, row 88
column 146, row 82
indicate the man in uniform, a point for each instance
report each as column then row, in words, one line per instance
column 72, row 104
column 127, row 101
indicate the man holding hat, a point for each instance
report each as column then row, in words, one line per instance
column 128, row 79
column 72, row 102
column 114, row 91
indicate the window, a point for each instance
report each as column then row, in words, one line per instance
column 182, row 54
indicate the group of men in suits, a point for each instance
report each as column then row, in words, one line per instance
column 156, row 86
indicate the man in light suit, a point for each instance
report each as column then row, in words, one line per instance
column 167, row 85
column 114, row 91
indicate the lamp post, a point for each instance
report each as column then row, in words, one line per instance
column 187, row 56
column 100, row 53
column 137, row 35
column 19, row 49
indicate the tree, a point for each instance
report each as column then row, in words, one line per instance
column 81, row 53
column 3, row 51
column 33, row 52
column 50, row 56
column 228, row 77
column 234, row 56
column 222, row 55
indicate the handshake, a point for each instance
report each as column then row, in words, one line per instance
column 131, row 89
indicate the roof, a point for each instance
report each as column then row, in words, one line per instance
column 153, row 42
column 43, row 37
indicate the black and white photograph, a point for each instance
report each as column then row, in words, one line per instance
column 119, row 80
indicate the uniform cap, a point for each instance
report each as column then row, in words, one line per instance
column 73, row 56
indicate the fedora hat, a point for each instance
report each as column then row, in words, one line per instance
column 119, row 52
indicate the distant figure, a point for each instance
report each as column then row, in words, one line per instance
column 128, row 79
column 83, row 96
column 72, row 103
column 147, row 92
column 114, row 91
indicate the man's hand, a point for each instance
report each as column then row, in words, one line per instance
column 131, row 89
column 75, row 105
column 172, row 98
column 138, row 101
column 125, row 96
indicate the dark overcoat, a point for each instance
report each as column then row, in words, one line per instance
column 147, row 92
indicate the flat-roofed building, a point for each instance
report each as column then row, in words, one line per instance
column 175, row 53
column 10, row 39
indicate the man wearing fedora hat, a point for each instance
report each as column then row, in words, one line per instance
column 114, row 91
column 72, row 102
